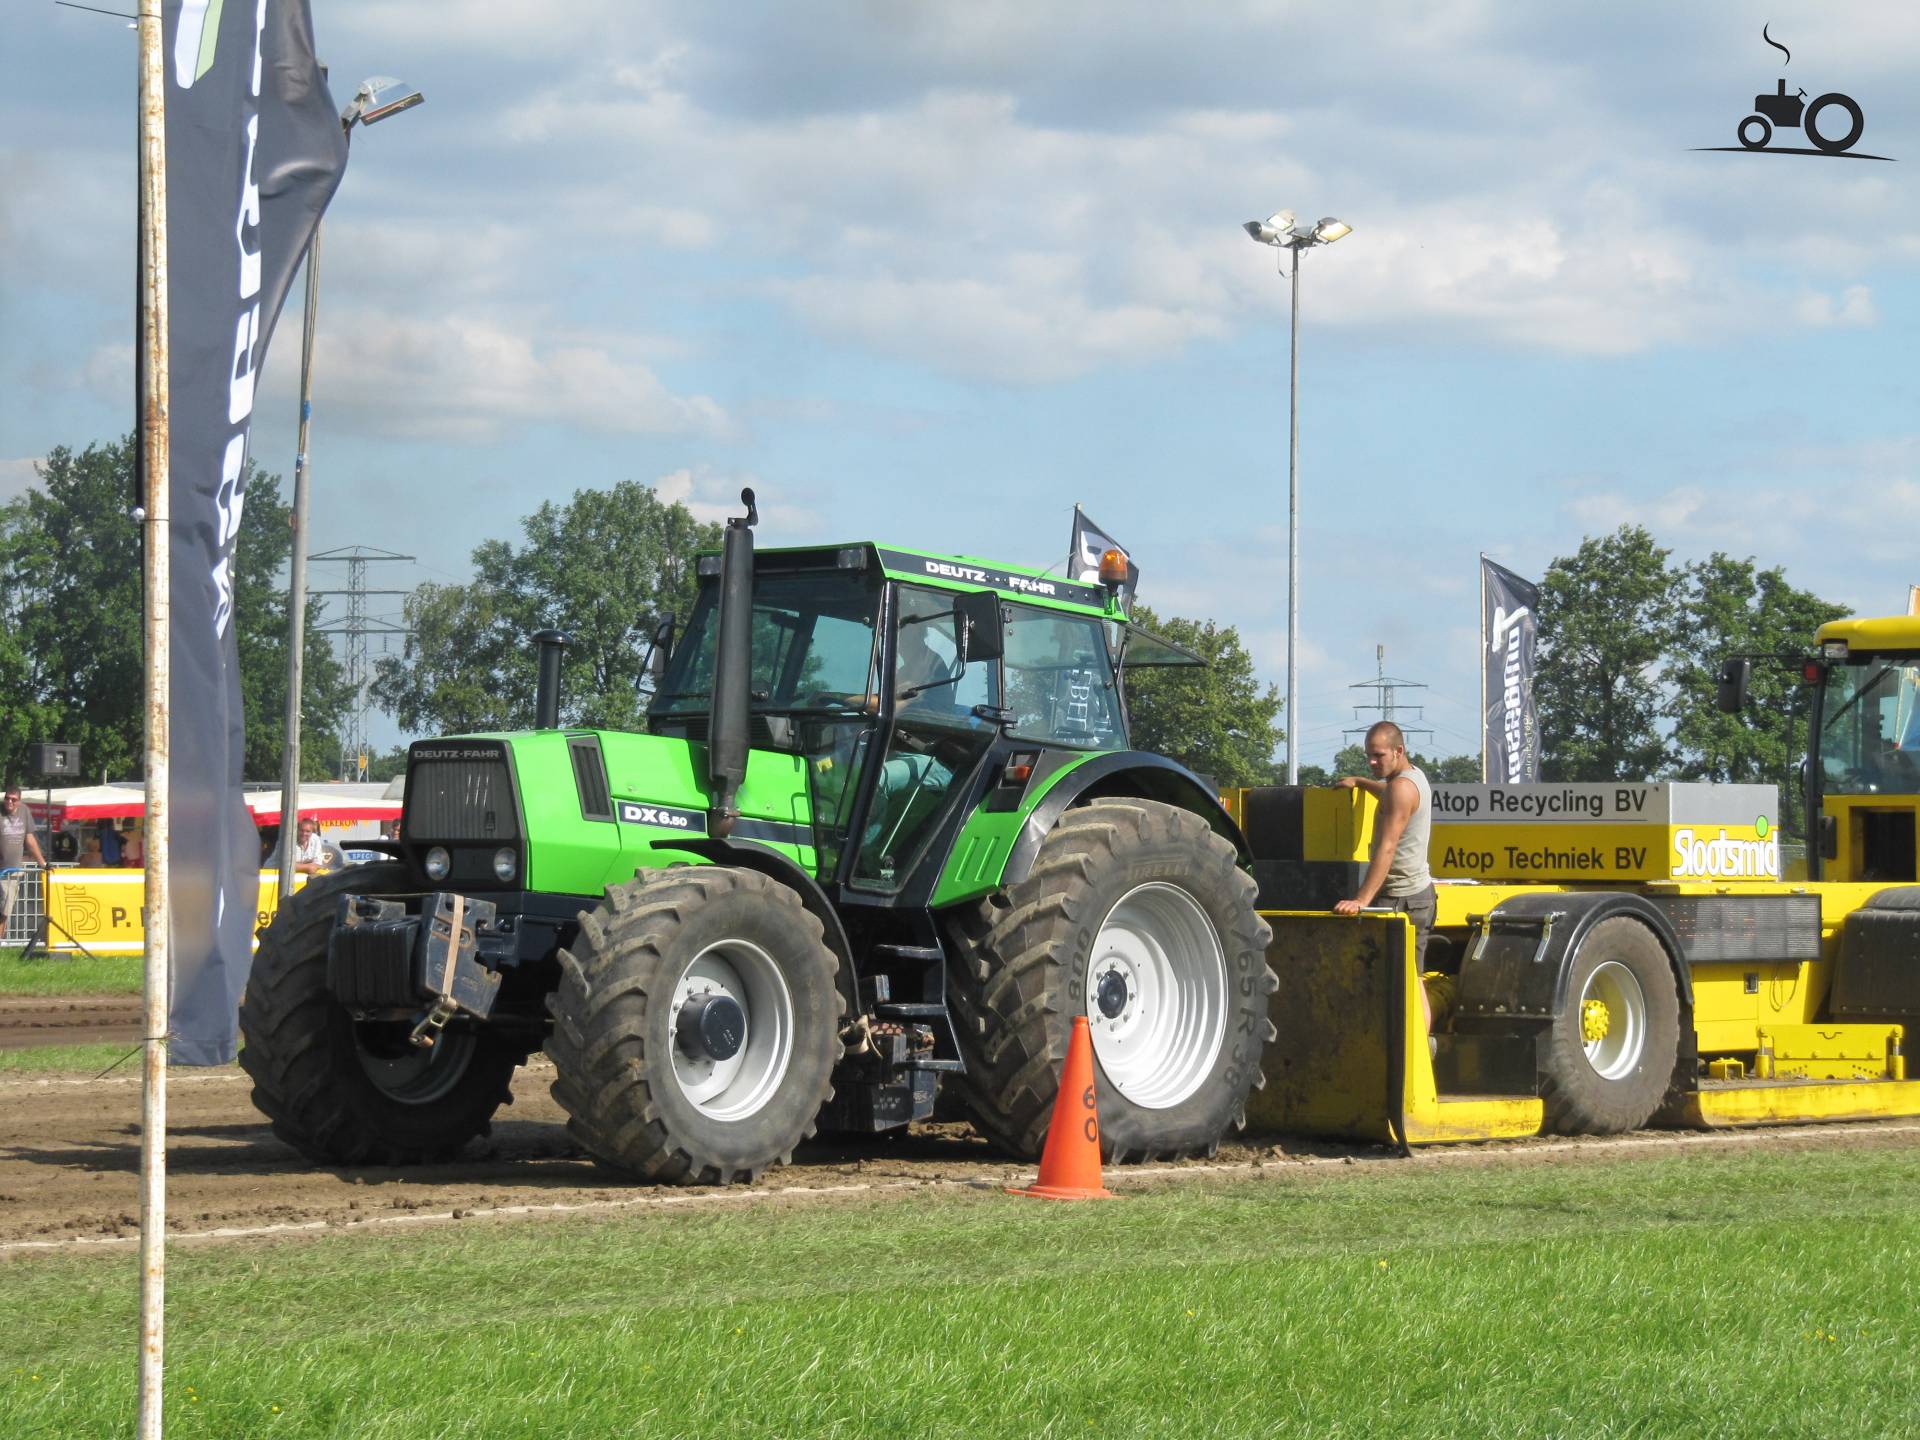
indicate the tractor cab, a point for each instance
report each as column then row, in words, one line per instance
column 1863, row 768
column 898, row 682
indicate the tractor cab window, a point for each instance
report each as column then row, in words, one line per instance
column 938, row 736
column 812, row 645
column 1870, row 727
column 1059, row 679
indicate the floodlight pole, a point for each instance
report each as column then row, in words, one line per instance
column 1293, row 535
column 366, row 109
column 157, row 921
column 297, row 579
column 1280, row 231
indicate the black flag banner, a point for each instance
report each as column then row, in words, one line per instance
column 1510, row 731
column 1090, row 542
column 254, row 151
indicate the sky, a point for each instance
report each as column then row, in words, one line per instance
column 932, row 274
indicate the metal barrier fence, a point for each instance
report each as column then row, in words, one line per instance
column 24, row 893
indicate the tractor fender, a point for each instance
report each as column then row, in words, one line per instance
column 751, row 855
column 1136, row 773
column 1519, row 957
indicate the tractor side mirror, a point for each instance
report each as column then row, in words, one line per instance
column 1735, row 675
column 978, row 631
column 663, row 631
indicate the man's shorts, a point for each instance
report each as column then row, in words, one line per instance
column 1419, row 909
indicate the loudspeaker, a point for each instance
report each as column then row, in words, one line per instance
column 54, row 759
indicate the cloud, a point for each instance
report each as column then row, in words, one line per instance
column 1854, row 309
column 471, row 379
column 714, row 499
column 16, row 476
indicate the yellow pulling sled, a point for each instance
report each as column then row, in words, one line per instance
column 1608, row 956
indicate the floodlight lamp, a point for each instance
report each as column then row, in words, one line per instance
column 379, row 97
column 1276, row 229
column 1330, row 230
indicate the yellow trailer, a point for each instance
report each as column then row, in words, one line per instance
column 1611, row 955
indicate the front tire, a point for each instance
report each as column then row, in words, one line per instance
column 649, row 1088
column 1608, row 1059
column 343, row 1092
column 1137, row 916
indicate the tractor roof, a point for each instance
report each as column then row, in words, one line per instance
column 1894, row 632
column 944, row 572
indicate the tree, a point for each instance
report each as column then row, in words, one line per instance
column 599, row 569
column 1217, row 721
column 71, row 605
column 1606, row 620
column 1726, row 607
column 384, row 767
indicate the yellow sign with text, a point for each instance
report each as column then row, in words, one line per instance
column 1605, row 852
column 101, row 911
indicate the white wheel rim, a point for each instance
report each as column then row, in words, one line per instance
column 736, row 1087
column 1160, row 1044
column 1616, row 1054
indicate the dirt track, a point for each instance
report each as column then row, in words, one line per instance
column 70, row 1154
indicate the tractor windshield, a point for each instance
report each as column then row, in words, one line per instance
column 1870, row 726
column 812, row 645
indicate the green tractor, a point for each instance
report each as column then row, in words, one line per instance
column 883, row 830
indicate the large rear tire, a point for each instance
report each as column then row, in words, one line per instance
column 654, row 1091
column 343, row 1092
column 1609, row 1058
column 1137, row 916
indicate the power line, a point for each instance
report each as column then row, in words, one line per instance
column 354, row 629
column 1386, row 702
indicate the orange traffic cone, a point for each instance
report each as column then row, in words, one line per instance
column 1070, row 1163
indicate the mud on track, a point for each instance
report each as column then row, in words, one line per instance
column 29, row 1020
column 70, row 1156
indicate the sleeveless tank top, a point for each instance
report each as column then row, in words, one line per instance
column 1407, row 872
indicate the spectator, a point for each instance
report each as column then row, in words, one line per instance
column 90, row 856
column 17, row 845
column 133, row 850
column 310, row 855
column 109, row 843
column 65, row 845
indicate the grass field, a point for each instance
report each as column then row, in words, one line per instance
column 69, row 975
column 74, row 1059
column 1686, row 1293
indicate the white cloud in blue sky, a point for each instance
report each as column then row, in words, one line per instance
column 936, row 272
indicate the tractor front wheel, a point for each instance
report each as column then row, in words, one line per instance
column 1137, row 916
column 348, row 1092
column 696, row 1026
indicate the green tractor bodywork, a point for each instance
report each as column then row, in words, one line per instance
column 923, row 757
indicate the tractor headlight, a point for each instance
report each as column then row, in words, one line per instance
column 438, row 863
column 506, row 864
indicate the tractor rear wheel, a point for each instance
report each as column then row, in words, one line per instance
column 347, row 1092
column 1137, row 916
column 1607, row 1061
column 696, row 1026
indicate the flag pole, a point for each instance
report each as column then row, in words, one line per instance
column 154, row 446
column 1483, row 667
